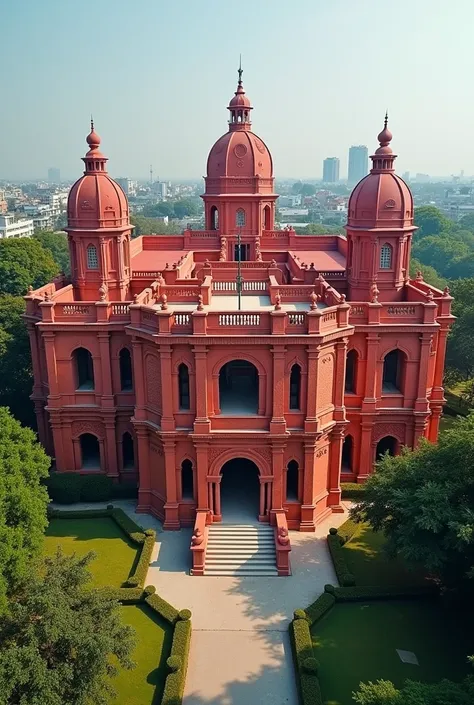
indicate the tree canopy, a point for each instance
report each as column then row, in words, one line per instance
column 414, row 693
column 430, row 221
column 57, row 245
column 61, row 640
column 150, row 226
column 182, row 208
column 23, row 501
column 16, row 377
column 423, row 502
column 24, row 262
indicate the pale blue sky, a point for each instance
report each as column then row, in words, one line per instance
column 158, row 75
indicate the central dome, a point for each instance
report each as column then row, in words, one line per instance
column 240, row 153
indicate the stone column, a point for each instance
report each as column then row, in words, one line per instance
column 202, row 423
column 202, row 498
column 307, row 522
column 311, row 422
column 277, row 468
column 339, row 374
column 105, row 368
column 144, row 470
column 217, row 505
column 278, row 423
column 139, row 379
column 366, row 453
column 52, row 368
column 167, row 418
column 370, row 396
column 334, row 499
column 110, row 444
column 171, row 506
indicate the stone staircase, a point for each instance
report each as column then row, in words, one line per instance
column 242, row 550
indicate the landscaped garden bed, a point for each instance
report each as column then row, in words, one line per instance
column 123, row 552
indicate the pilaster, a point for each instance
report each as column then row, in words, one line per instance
column 278, row 423
column 202, row 423
column 171, row 507
column 167, row 418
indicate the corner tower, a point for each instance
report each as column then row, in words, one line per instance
column 379, row 228
column 239, row 183
column 98, row 230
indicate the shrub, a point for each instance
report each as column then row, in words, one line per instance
column 332, row 530
column 110, row 507
column 384, row 592
column 311, row 665
column 149, row 590
column 329, row 588
column 352, row 490
column 64, row 487
column 150, row 532
column 347, row 580
column 144, row 561
column 164, row 609
column 132, row 582
column 184, row 615
column 127, row 596
column 173, row 663
column 322, row 605
column 174, row 684
column 308, row 682
column 128, row 526
column 95, row 488
column 300, row 614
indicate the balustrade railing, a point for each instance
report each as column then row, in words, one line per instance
column 182, row 319
column 239, row 319
column 296, row 319
column 218, row 286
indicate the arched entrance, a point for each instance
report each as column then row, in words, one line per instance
column 240, row 491
column 387, row 444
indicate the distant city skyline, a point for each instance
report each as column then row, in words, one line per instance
column 166, row 103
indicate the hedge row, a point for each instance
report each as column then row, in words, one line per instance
column 343, row 573
column 178, row 662
column 72, row 487
column 167, row 611
column 318, row 609
column 382, row 592
column 306, row 665
column 139, row 576
column 352, row 490
column 127, row 596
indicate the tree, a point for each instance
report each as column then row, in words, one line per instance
column 440, row 251
column 318, row 229
column 57, row 245
column 423, row 502
column 162, row 209
column 430, row 275
column 24, row 262
column 467, row 222
column 152, row 226
column 23, row 502
column 61, row 639
column 430, row 221
column 308, row 190
column 460, row 352
column 187, row 207
column 414, row 693
column 16, row 377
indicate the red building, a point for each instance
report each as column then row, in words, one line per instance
column 146, row 367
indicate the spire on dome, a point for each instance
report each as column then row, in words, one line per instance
column 383, row 158
column 94, row 159
column 239, row 106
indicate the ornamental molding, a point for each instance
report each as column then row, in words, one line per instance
column 96, row 428
column 398, row 431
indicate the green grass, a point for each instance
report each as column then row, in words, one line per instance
column 144, row 684
column 357, row 642
column 115, row 553
column 369, row 564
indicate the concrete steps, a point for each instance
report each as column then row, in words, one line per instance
column 241, row 550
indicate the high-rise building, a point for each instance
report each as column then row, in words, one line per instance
column 331, row 170
column 54, row 175
column 358, row 163
column 128, row 186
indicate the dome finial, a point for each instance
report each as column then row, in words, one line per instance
column 385, row 137
column 92, row 123
column 240, row 70
column 385, row 122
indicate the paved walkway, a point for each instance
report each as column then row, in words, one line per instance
column 240, row 651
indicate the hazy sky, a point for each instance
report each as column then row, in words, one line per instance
column 157, row 77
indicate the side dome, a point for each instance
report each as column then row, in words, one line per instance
column 240, row 153
column 95, row 200
column 382, row 199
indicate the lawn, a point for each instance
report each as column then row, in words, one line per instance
column 115, row 553
column 144, row 684
column 370, row 566
column 357, row 642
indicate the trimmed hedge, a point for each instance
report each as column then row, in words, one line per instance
column 127, row 596
column 71, row 487
column 175, row 681
column 347, row 530
column 343, row 573
column 308, row 682
column 319, row 608
column 139, row 576
column 384, row 592
column 352, row 490
column 157, row 603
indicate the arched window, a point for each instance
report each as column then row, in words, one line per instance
column 128, row 453
column 351, row 364
column 125, row 362
column 347, row 448
column 386, row 256
column 292, row 472
column 393, row 368
column 240, row 218
column 183, row 384
column 84, row 369
column 214, row 224
column 90, row 452
column 187, row 480
column 295, row 386
column 387, row 444
column 92, row 259
column 266, row 218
